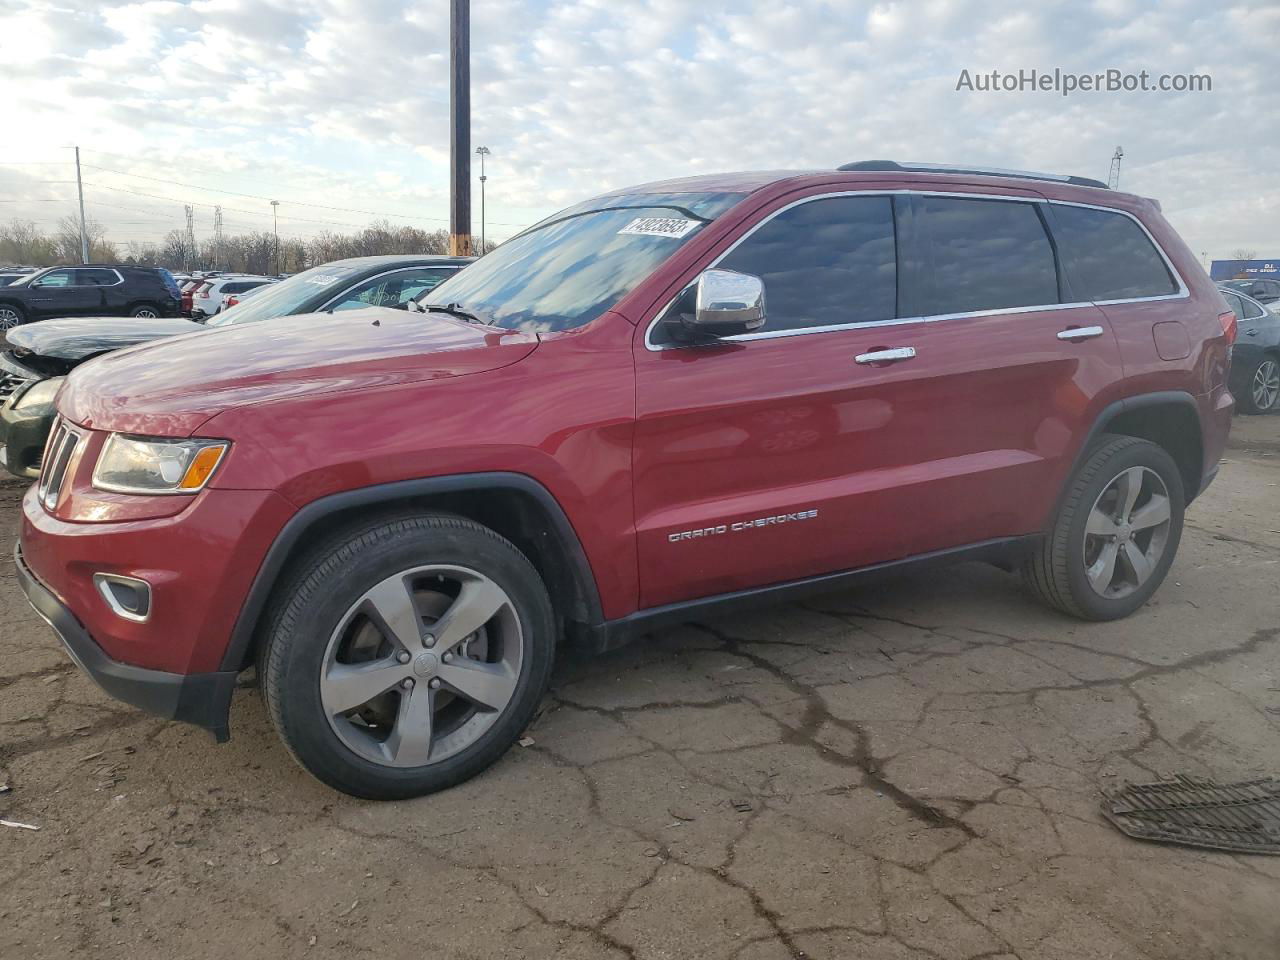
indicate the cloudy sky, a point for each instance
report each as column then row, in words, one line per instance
column 338, row 108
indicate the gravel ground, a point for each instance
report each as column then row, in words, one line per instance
column 902, row 772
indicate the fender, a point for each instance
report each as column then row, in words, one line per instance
column 1109, row 413
column 315, row 512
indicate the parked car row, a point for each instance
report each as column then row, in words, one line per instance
column 38, row 356
column 206, row 296
column 673, row 400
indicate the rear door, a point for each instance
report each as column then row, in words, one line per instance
column 1009, row 372
column 113, row 293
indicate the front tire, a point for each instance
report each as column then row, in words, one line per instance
column 407, row 656
column 1262, row 393
column 11, row 316
column 1115, row 534
column 146, row 311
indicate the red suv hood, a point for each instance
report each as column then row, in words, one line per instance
column 172, row 386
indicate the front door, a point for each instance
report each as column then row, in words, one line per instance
column 59, row 294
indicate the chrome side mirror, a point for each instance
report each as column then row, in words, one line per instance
column 726, row 303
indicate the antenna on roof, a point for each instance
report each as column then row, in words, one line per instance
column 1113, row 178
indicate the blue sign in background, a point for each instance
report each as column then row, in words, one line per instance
column 1245, row 269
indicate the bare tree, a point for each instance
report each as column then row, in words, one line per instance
column 1244, row 253
column 67, row 242
column 22, row 243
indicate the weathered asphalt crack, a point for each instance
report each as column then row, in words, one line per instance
column 815, row 715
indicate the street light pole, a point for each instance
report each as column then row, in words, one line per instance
column 482, row 152
column 275, row 229
column 460, row 127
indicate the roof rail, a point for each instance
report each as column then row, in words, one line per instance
column 883, row 166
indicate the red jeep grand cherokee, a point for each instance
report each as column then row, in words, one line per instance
column 662, row 402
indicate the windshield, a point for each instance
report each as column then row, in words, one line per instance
column 567, row 270
column 285, row 297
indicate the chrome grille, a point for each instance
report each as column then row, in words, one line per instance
column 8, row 384
column 57, row 456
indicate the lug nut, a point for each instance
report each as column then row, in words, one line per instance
column 447, row 657
column 403, row 657
column 435, row 684
column 429, row 641
column 408, row 683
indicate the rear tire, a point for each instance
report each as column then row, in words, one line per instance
column 439, row 710
column 144, row 310
column 1115, row 534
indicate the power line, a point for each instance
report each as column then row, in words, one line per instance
column 251, row 213
column 258, row 196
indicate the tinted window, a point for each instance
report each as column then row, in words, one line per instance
column 1107, row 256
column 1251, row 310
column 301, row 291
column 95, row 277
column 56, row 278
column 393, row 290
column 1234, row 304
column 984, row 255
column 825, row 262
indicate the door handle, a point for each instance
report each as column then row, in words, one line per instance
column 1075, row 334
column 886, row 356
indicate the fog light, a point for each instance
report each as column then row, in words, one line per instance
column 127, row 597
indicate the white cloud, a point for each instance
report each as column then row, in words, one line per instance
column 344, row 102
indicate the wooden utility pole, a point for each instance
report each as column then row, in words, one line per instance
column 84, row 233
column 460, row 127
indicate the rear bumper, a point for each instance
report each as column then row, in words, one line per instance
column 203, row 699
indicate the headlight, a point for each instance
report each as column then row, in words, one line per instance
column 156, row 465
column 42, row 391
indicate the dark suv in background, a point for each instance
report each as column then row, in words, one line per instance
column 93, row 290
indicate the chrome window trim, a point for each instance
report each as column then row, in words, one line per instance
column 1182, row 293
column 386, row 273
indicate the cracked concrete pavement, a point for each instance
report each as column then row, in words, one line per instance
column 894, row 773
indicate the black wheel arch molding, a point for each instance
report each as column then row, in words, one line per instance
column 1111, row 420
column 585, row 603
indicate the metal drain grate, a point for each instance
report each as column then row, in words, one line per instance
column 1242, row 817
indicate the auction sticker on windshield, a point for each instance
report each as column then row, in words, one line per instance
column 661, row 227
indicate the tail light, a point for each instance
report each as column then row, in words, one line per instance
column 1230, row 326
column 232, row 300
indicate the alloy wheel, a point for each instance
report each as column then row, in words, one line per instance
column 1126, row 532
column 8, row 318
column 145, row 313
column 422, row 665
column 1266, row 385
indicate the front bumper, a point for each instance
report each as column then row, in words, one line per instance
column 23, row 433
column 203, row 699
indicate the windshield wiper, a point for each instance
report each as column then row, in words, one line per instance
column 454, row 310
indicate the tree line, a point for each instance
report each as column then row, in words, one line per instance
column 23, row 243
